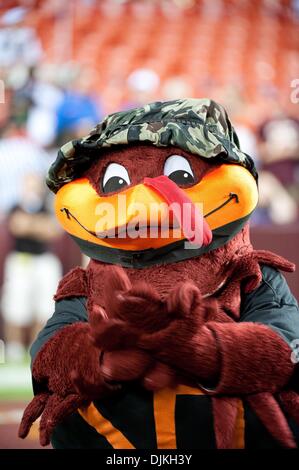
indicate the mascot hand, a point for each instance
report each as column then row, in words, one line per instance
column 121, row 360
column 139, row 305
column 224, row 356
column 67, row 374
column 135, row 364
column 180, row 344
column 130, row 311
column 137, row 316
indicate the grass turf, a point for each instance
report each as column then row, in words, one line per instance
column 15, row 381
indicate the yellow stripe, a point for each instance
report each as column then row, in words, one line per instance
column 186, row 390
column 93, row 417
column 164, row 413
column 239, row 432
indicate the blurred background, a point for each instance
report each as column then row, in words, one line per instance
column 64, row 65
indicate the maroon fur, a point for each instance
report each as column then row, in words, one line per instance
column 201, row 340
column 253, row 358
column 179, row 333
column 225, row 412
column 207, row 272
column 272, row 259
column 232, row 264
column 290, row 402
column 193, row 335
column 271, row 415
column 32, row 413
column 50, row 362
column 73, row 284
column 69, row 383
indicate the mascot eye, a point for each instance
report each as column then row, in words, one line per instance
column 178, row 169
column 115, row 178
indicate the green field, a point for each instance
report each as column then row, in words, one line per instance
column 15, row 381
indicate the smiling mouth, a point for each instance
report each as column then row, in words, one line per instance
column 121, row 232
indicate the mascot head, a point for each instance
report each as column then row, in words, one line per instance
column 155, row 185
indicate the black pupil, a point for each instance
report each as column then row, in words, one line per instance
column 114, row 184
column 181, row 177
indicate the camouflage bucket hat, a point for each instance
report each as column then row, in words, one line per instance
column 199, row 126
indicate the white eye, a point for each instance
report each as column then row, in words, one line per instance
column 178, row 169
column 115, row 178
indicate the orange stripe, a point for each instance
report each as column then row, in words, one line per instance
column 164, row 412
column 93, row 417
column 239, row 432
column 186, row 390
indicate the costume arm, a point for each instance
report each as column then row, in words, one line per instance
column 67, row 311
column 250, row 356
column 273, row 304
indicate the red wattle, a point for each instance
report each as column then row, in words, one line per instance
column 172, row 193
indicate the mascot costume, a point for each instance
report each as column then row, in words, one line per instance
column 177, row 335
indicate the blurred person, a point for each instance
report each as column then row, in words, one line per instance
column 35, row 89
column 46, row 97
column 279, row 151
column 18, row 156
column 19, row 45
column 31, row 271
column 77, row 105
column 21, row 100
column 82, row 127
column 276, row 205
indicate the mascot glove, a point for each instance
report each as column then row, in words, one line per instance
column 225, row 357
column 67, row 374
column 230, row 358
